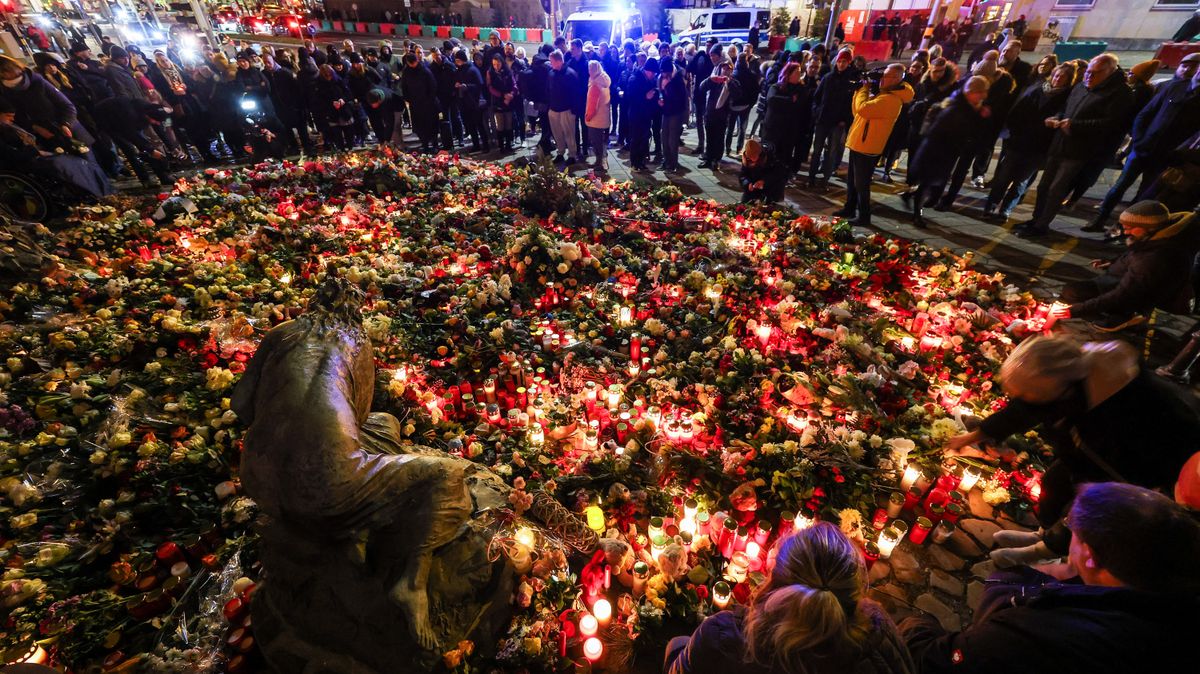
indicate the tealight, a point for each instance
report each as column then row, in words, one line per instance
column 595, row 518
column 593, row 649
column 602, row 609
column 588, row 625
column 970, row 478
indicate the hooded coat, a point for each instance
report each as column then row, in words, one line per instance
column 39, row 102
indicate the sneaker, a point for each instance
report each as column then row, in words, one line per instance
column 559, row 158
column 978, row 183
column 1094, row 226
column 842, row 213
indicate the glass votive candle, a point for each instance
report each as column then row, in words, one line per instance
column 880, row 520
column 943, row 531
column 602, row 609
column 920, row 530
column 888, row 540
column 593, row 649
column 970, row 478
column 953, row 512
column 895, row 504
column 871, row 553
column 722, row 593
column 911, row 473
column 588, row 625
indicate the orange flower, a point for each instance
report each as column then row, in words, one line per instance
column 452, row 659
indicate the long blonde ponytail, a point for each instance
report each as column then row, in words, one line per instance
column 808, row 607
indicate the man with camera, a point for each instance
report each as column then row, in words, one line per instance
column 876, row 106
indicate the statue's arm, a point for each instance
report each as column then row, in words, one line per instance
column 242, row 400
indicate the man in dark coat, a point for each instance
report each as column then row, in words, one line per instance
column 127, row 121
column 533, row 83
column 700, row 68
column 1134, row 604
column 1170, row 118
column 643, row 103
column 468, row 85
column 1153, row 272
column 40, row 107
column 561, row 88
column 947, row 143
column 1095, row 110
column 87, row 70
column 120, row 76
column 442, row 66
column 420, row 91
column 1010, row 60
column 832, row 117
column 879, row 27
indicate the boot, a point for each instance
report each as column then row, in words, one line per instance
column 1009, row 557
column 1016, row 539
column 1180, row 368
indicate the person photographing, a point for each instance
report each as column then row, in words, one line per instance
column 876, row 106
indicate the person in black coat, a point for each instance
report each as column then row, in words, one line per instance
column 1028, row 139
column 715, row 91
column 1096, row 109
column 1132, row 603
column 700, row 68
column 936, row 86
column 291, row 105
column 673, row 107
column 420, row 91
column 41, row 108
column 743, row 94
column 788, row 115
column 643, row 104
column 762, row 177
column 468, row 85
column 127, row 122
column 441, row 64
column 332, row 109
column 947, row 140
column 1002, row 93
column 832, row 117
column 89, row 71
column 533, row 83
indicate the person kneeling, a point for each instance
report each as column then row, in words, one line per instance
column 1134, row 607
column 1153, row 272
column 761, row 176
column 808, row 616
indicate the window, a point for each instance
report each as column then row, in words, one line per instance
column 731, row 20
column 1176, row 4
column 1075, row 4
column 764, row 20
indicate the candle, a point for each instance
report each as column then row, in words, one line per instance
column 738, row 567
column 953, row 512
column 655, row 528
column 888, row 540
column 602, row 609
column 763, row 332
column 588, row 625
column 943, row 531
column 870, row 554
column 593, row 649
column 690, row 507
column 931, row 342
column 895, row 504
column 911, row 473
column 526, row 536
column 762, row 533
column 880, row 520
column 797, row 420
column 803, row 522
column 970, row 477
column 702, row 520
column 595, row 518
column 721, row 594
column 624, row 316
column 754, row 553
column 920, row 530
column 787, row 523
column 635, row 348
column 536, row 435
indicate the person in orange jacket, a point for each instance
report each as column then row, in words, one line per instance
column 875, row 111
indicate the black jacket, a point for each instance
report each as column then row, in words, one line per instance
column 953, row 131
column 718, row 644
column 420, row 90
column 1151, row 273
column 1168, row 119
column 1096, row 116
column 38, row 102
column 700, row 68
column 472, row 91
column 1020, row 71
column 710, row 92
column 534, row 80
column 1027, row 130
column 1028, row 622
column 1000, row 98
column 789, row 112
column 444, row 74
column 831, row 104
column 325, row 94
column 91, row 74
column 675, row 95
column 562, row 87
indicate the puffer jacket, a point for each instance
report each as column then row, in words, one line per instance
column 718, row 644
column 598, row 114
column 874, row 117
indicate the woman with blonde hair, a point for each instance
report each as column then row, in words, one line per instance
column 1107, row 418
column 808, row 617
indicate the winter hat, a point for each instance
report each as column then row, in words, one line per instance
column 651, row 65
column 1148, row 214
column 118, row 53
column 376, row 96
column 1145, row 70
column 845, row 53
column 976, row 84
column 985, row 68
column 77, row 47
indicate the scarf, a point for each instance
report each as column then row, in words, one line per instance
column 170, row 73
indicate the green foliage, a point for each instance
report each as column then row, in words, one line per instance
column 780, row 21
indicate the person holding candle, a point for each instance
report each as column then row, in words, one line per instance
column 1106, row 417
column 808, row 616
column 1133, row 607
column 1153, row 272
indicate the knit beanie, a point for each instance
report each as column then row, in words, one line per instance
column 1145, row 70
column 651, row 65
column 117, row 53
column 1148, row 214
column 77, row 47
column 845, row 53
column 985, row 68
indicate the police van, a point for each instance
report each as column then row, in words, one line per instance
column 727, row 24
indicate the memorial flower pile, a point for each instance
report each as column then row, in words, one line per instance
column 692, row 379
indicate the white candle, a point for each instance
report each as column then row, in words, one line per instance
column 721, row 594
column 588, row 625
column 602, row 609
column 888, row 540
column 593, row 649
column 911, row 473
column 970, row 477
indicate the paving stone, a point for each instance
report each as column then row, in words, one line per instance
column 891, row 595
column 940, row 580
column 983, row 570
column 963, row 545
column 975, row 591
column 942, row 558
column 947, row 617
column 979, row 507
column 906, row 566
column 980, row 530
column 879, row 572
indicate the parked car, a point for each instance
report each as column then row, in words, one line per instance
column 226, row 19
column 727, row 24
column 256, row 24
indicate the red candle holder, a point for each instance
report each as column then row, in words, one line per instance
column 920, row 530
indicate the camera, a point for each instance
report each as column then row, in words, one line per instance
column 872, row 77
